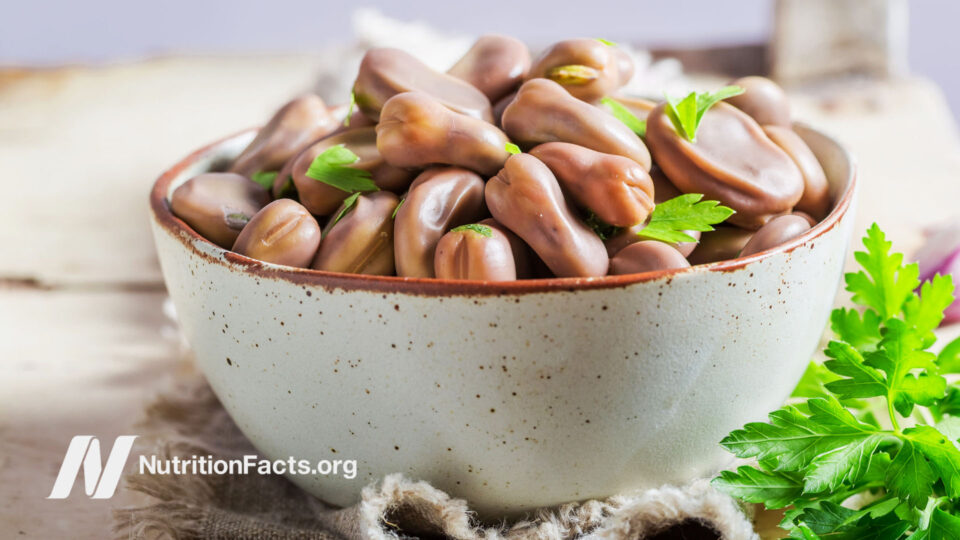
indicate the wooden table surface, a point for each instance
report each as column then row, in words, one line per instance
column 84, row 344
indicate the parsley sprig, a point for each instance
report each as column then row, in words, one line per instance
column 623, row 114
column 332, row 167
column 871, row 452
column 687, row 113
column 686, row 212
column 264, row 178
column 482, row 230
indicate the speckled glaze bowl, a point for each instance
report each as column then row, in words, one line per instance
column 510, row 395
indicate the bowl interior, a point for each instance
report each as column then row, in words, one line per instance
column 838, row 165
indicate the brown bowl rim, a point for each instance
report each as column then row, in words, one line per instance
column 307, row 277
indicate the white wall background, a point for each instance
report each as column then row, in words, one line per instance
column 69, row 31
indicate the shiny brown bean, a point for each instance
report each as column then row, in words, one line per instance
column 777, row 231
column 526, row 198
column 495, row 65
column 283, row 232
column 763, row 100
column 544, row 112
column 362, row 241
column 385, row 73
column 295, row 125
column 416, row 131
column 586, row 68
column 721, row 244
column 501, row 106
column 615, row 188
column 218, row 205
column 321, row 198
column 816, row 192
column 732, row 161
column 525, row 260
column 479, row 253
column 646, row 256
column 439, row 200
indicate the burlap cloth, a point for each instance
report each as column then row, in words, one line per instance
column 190, row 421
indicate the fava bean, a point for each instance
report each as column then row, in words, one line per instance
column 758, row 180
column 283, row 232
column 480, row 253
column 816, row 192
column 495, row 65
column 615, row 188
column 295, row 125
column 439, row 200
column 777, row 231
column 721, row 244
column 544, row 112
column 385, row 73
column 361, row 242
column 646, row 256
column 526, row 198
column 416, row 131
column 218, row 205
column 763, row 100
column 524, row 259
column 587, row 68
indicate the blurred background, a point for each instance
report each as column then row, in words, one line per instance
column 45, row 32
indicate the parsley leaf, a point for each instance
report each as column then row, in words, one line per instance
column 599, row 227
column 397, row 209
column 822, row 455
column 773, row 489
column 884, row 283
column 347, row 206
column 686, row 113
column 482, row 230
column 623, row 114
column 265, row 178
column 683, row 213
column 332, row 167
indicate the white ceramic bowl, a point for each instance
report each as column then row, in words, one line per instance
column 510, row 395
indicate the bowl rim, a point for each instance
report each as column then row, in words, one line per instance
column 307, row 277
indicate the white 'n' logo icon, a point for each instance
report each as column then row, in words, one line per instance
column 100, row 481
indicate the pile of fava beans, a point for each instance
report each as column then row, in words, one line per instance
column 506, row 167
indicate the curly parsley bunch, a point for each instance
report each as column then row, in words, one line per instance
column 871, row 451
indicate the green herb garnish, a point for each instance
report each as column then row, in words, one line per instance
column 348, row 205
column 600, row 228
column 475, row 227
column 397, row 209
column 684, row 213
column 871, row 451
column 687, row 113
column 288, row 189
column 606, row 42
column 625, row 115
column 264, row 178
column 512, row 148
column 350, row 108
column 332, row 168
